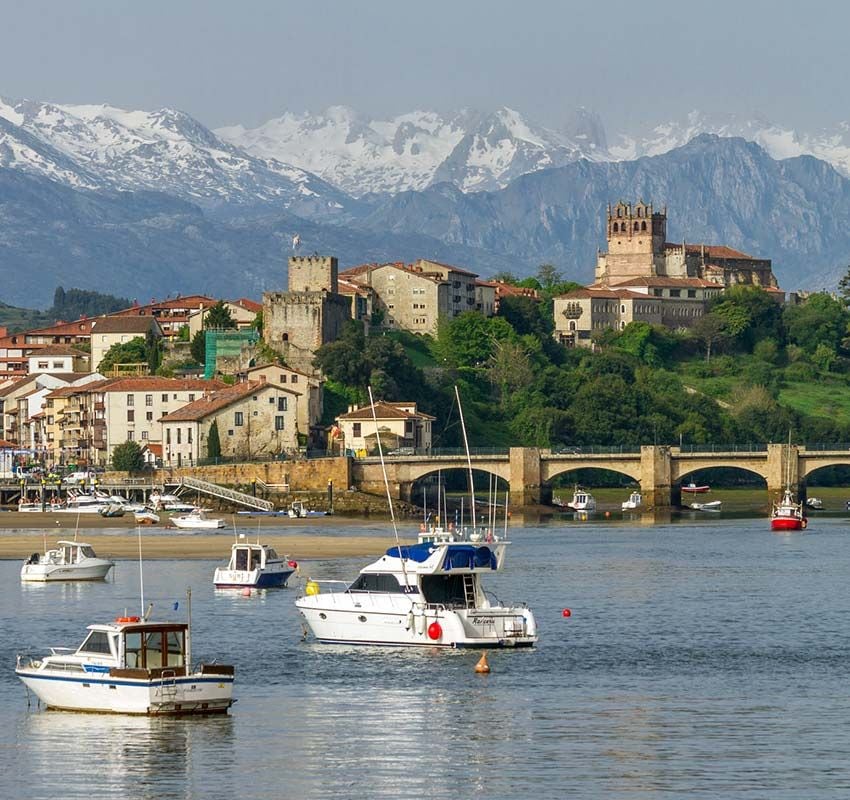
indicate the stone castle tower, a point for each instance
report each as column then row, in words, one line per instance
column 636, row 243
column 311, row 313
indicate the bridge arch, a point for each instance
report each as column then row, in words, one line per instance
column 554, row 471
column 811, row 464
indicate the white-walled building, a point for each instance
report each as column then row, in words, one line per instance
column 400, row 426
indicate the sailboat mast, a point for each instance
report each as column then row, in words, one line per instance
column 468, row 459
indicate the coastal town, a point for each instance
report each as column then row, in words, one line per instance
column 65, row 403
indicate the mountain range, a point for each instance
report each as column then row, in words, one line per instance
column 148, row 203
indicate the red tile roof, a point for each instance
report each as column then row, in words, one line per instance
column 664, row 281
column 711, row 250
column 384, row 410
column 124, row 324
column 215, row 401
column 247, row 304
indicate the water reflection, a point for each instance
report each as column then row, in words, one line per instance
column 93, row 755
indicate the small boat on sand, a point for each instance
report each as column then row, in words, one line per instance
column 714, row 505
column 693, row 488
column 196, row 519
column 582, row 501
column 635, row 501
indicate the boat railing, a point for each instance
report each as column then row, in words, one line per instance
column 58, row 651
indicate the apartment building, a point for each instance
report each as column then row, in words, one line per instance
column 109, row 331
column 253, row 418
column 400, row 425
column 310, row 391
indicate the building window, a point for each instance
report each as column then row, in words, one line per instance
column 149, row 416
column 283, row 377
column 148, row 399
column 675, row 292
column 42, row 365
column 230, row 432
column 238, row 419
column 131, row 415
column 294, row 379
column 278, row 423
column 281, row 404
column 165, row 398
column 692, row 292
column 130, row 436
column 168, row 435
column 189, row 435
column 643, row 226
column 355, row 430
column 130, row 400
column 178, row 436
column 144, row 434
column 58, row 365
column 191, row 397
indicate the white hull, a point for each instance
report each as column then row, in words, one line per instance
column 43, row 573
column 398, row 622
column 183, row 522
column 100, row 692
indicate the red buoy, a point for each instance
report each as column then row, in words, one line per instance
column 435, row 631
column 292, row 564
column 567, row 613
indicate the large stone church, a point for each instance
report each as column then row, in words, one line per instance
column 643, row 277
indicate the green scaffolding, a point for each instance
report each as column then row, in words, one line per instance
column 226, row 344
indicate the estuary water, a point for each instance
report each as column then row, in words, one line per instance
column 706, row 658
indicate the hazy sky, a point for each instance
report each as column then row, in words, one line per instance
column 227, row 62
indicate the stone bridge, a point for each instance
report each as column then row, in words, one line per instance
column 659, row 469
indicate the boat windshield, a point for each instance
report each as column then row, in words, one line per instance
column 87, row 552
column 96, row 642
column 376, row 582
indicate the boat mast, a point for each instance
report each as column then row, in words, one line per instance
column 468, row 459
column 387, row 486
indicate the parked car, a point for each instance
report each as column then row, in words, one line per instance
column 77, row 478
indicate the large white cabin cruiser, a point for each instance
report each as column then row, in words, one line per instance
column 129, row 666
column 423, row 595
column 68, row 561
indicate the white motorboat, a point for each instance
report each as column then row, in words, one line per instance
column 197, row 518
column 297, row 509
column 423, row 595
column 635, row 501
column 255, row 566
column 169, row 502
column 714, row 505
column 814, row 503
column 146, row 517
column 68, row 561
column 582, row 501
column 112, row 509
column 129, row 666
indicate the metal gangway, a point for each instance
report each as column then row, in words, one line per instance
column 222, row 492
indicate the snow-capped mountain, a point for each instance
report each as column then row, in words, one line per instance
column 102, row 147
column 472, row 150
column 780, row 142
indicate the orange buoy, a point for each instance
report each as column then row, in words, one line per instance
column 482, row 667
column 246, row 592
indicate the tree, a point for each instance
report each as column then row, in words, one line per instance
column 819, row 320
column 750, row 314
column 844, row 287
column 127, row 457
column 710, row 329
column 218, row 317
column 133, row 352
column 213, row 441
column 198, row 347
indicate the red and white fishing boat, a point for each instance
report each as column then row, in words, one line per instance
column 693, row 488
column 787, row 514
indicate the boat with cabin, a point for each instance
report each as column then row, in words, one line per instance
column 196, row 519
column 254, row 566
column 635, row 501
column 787, row 514
column 582, row 501
column 68, row 561
column 428, row 594
column 129, row 666
column 696, row 488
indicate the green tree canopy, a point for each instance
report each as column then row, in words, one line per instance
column 133, row 352
column 219, row 316
column 750, row 314
column 213, row 441
column 127, row 457
column 198, row 347
column 821, row 319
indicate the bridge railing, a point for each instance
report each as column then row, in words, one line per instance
column 753, row 447
column 819, row 447
column 593, row 450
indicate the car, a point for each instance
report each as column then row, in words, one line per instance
column 402, row 451
column 77, row 478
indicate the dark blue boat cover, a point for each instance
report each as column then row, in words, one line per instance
column 466, row 556
column 415, row 552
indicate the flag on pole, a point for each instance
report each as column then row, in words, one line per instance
column 296, row 242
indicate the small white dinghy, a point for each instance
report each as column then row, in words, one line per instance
column 129, row 666
column 196, row 519
column 68, row 561
column 714, row 505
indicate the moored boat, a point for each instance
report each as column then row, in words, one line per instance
column 146, row 517
column 68, row 561
column 693, row 488
column 424, row 595
column 787, row 514
column 635, row 501
column 814, row 503
column 714, row 505
column 255, row 566
column 582, row 500
column 197, row 518
column 129, row 666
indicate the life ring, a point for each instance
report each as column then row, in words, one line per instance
column 128, row 619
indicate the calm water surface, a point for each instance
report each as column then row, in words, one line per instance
column 707, row 658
